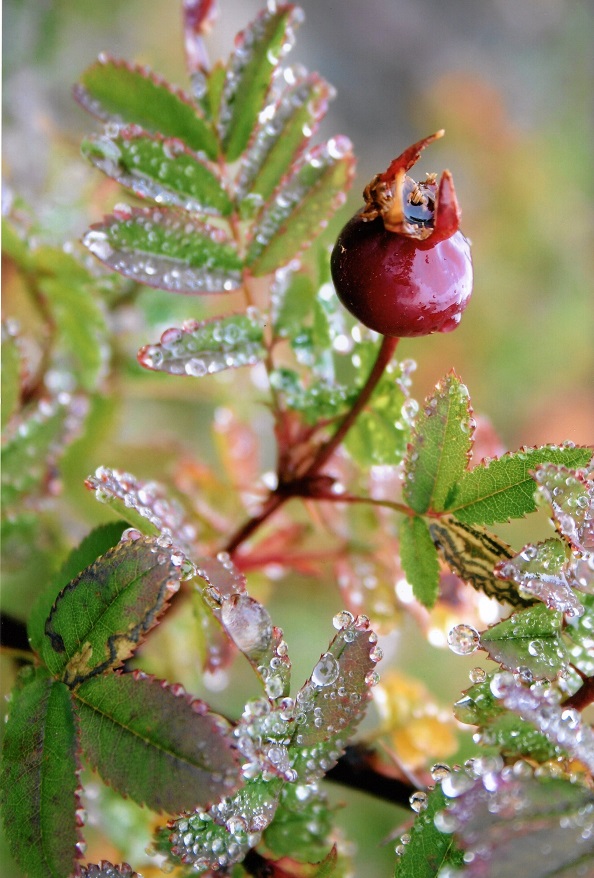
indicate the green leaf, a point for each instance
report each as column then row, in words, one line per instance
column 419, row 559
column 168, row 249
column 440, row 448
column 327, row 868
column 300, row 829
column 159, row 169
column 249, row 75
column 155, row 744
column 34, row 446
column 571, row 497
column 504, row 488
column 319, row 400
column 292, row 303
column 301, row 205
column 11, row 374
column 207, row 347
column 529, row 639
column 99, row 619
column 115, row 91
column 145, row 505
column 472, row 554
column 280, row 138
column 39, row 778
column 332, row 703
column 97, row 543
column 14, row 246
column 428, row 850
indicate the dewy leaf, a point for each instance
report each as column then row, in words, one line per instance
column 530, row 639
column 282, row 134
column 545, row 572
column 509, row 825
column 97, row 543
column 35, row 443
column 301, row 205
column 199, row 349
column 428, row 850
column 11, row 373
column 144, row 505
column 441, row 446
column 419, row 559
column 105, row 869
column 472, row 553
column 168, row 249
column 302, row 824
column 332, row 703
column 116, row 91
column 162, row 170
column 571, row 497
column 249, row 75
column 292, row 295
column 154, row 743
column 39, row 778
column 504, row 488
column 101, row 617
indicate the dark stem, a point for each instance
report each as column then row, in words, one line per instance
column 324, row 453
column 583, row 697
column 356, row 770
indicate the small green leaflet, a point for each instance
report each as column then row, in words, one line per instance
column 249, row 75
column 116, row 91
column 504, row 488
column 419, row 559
column 301, row 205
column 100, row 618
column 440, row 448
column 206, row 347
column 154, row 743
column 166, row 248
column 95, row 544
column 472, row 553
column 300, row 827
column 161, row 170
column 529, row 639
column 11, row 377
column 39, row 777
column 428, row 850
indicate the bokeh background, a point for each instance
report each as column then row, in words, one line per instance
column 509, row 80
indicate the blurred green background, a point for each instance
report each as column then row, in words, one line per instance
column 511, row 83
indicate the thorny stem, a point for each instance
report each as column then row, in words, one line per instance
column 324, row 453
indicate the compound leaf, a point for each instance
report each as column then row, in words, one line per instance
column 40, row 778
column 168, row 249
column 440, row 448
column 300, row 206
column 116, row 91
column 100, row 618
column 419, row 559
column 152, row 742
column 162, row 170
column 249, row 75
column 504, row 488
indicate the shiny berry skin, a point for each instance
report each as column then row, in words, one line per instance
column 401, row 266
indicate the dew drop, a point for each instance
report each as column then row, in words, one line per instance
column 418, row 802
column 326, row 671
column 463, row 639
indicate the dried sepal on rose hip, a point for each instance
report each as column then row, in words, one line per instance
column 401, row 265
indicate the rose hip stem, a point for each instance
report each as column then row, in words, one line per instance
column 325, row 452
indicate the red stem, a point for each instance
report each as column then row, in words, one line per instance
column 583, row 697
column 324, row 453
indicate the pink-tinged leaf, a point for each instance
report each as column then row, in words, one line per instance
column 564, row 727
column 332, row 703
column 509, row 825
column 168, row 249
column 248, row 624
column 545, row 572
column 256, row 54
column 152, row 742
column 571, row 497
column 199, row 18
column 39, row 778
column 441, row 446
column 160, row 169
column 122, row 93
column 145, row 505
column 301, row 206
column 100, row 618
column 199, row 349
column 279, row 139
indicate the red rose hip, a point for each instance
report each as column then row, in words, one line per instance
column 401, row 266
